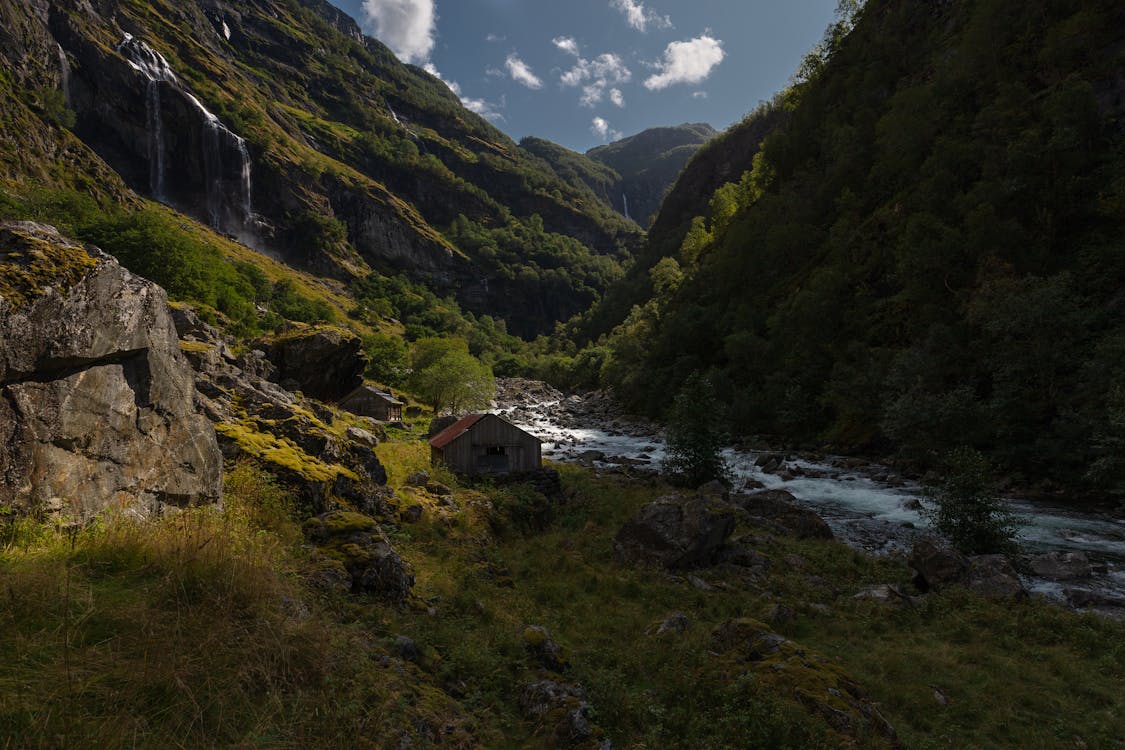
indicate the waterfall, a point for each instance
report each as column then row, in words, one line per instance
column 155, row 141
column 625, row 203
column 64, row 74
column 216, row 136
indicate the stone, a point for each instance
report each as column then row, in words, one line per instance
column 412, row 513
column 884, row 593
column 676, row 532
column 357, row 542
column 361, row 436
column 782, row 512
column 544, row 649
column 561, row 709
column 936, row 565
column 675, row 623
column 97, row 406
column 1060, row 566
column 418, row 479
column 326, row 363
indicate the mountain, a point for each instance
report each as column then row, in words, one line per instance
column 632, row 174
column 923, row 253
column 649, row 162
column 280, row 123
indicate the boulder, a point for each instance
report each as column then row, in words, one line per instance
column 326, row 363
column 781, row 511
column 359, row 545
column 545, row 649
column 1060, row 566
column 96, row 400
column 938, row 567
column 676, row 531
column 561, row 711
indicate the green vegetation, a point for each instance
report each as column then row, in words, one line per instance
column 967, row 510
column 695, row 437
column 921, row 255
column 154, row 243
column 446, row 377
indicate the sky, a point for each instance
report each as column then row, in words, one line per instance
column 587, row 72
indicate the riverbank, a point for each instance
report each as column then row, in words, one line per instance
column 869, row 506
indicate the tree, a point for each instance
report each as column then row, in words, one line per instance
column 694, row 437
column 966, row 509
column 445, row 376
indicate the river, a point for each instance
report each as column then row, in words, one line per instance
column 866, row 505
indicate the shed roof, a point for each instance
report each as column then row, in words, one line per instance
column 455, row 430
column 463, row 425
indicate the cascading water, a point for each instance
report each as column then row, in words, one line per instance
column 625, row 203
column 64, row 74
column 215, row 136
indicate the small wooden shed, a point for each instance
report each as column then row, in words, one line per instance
column 486, row 444
column 367, row 401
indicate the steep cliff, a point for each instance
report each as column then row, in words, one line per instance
column 279, row 123
column 96, row 401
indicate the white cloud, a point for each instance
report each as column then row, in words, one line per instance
column 687, row 62
column 699, row 95
column 602, row 129
column 617, row 97
column 596, row 77
column 495, row 38
column 521, row 73
column 567, row 44
column 485, row 109
column 406, row 26
column 640, row 17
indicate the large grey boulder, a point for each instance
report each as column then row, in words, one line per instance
column 96, row 400
column 781, row 511
column 326, row 363
column 938, row 567
column 676, row 531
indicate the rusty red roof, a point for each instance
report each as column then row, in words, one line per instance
column 455, row 430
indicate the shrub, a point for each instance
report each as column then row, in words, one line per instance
column 966, row 509
column 694, row 436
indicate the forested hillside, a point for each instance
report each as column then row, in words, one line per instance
column 926, row 252
column 278, row 122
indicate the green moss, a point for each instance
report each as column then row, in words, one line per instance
column 194, row 346
column 29, row 265
column 281, row 452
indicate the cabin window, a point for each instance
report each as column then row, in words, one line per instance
column 495, row 450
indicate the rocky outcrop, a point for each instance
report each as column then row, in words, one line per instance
column 96, row 406
column 358, row 546
column 326, row 363
column 676, row 532
column 780, row 510
column 938, row 567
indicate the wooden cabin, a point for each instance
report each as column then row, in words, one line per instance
column 486, row 444
column 367, row 401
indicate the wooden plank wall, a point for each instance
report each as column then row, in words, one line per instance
column 524, row 451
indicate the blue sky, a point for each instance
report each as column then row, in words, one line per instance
column 585, row 72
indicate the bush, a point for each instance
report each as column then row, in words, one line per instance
column 695, row 438
column 966, row 509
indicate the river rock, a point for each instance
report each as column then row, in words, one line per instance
column 781, row 511
column 939, row 567
column 676, row 531
column 96, row 399
column 1060, row 566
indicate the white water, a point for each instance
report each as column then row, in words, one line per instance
column 625, row 204
column 863, row 512
column 156, row 70
column 64, row 74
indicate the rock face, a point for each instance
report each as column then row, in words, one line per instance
column 96, row 406
column 325, row 363
column 676, row 531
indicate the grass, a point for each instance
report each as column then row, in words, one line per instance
column 197, row 631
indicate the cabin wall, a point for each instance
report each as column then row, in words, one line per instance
column 469, row 453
